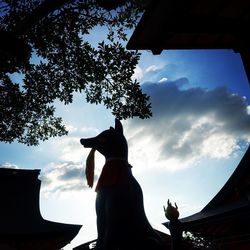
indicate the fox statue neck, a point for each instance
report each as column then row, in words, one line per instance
column 116, row 157
column 119, row 151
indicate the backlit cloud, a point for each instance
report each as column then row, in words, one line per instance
column 67, row 176
column 67, row 148
column 164, row 79
column 71, row 128
column 153, row 68
column 162, row 71
column 188, row 124
column 8, row 165
column 63, row 177
column 138, row 73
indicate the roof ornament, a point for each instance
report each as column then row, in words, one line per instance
column 171, row 212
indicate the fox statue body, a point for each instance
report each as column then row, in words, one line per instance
column 121, row 220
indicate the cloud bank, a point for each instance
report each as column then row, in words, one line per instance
column 63, row 177
column 189, row 124
column 65, row 172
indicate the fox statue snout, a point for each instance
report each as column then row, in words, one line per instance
column 88, row 143
column 110, row 143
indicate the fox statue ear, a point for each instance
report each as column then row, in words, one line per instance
column 118, row 126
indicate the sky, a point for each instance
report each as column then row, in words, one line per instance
column 199, row 132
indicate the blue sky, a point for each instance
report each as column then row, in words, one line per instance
column 198, row 133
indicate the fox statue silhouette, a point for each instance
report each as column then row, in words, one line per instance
column 121, row 220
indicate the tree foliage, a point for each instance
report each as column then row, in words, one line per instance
column 54, row 32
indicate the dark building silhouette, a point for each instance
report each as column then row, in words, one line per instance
column 169, row 24
column 21, row 225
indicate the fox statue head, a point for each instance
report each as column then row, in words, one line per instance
column 111, row 143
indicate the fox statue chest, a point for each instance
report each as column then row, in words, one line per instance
column 114, row 172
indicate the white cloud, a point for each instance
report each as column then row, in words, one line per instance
column 188, row 125
column 138, row 73
column 248, row 109
column 152, row 68
column 164, row 79
column 71, row 128
column 8, row 165
column 87, row 130
column 219, row 146
column 66, row 148
column 63, row 177
column 59, row 178
column 83, row 130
